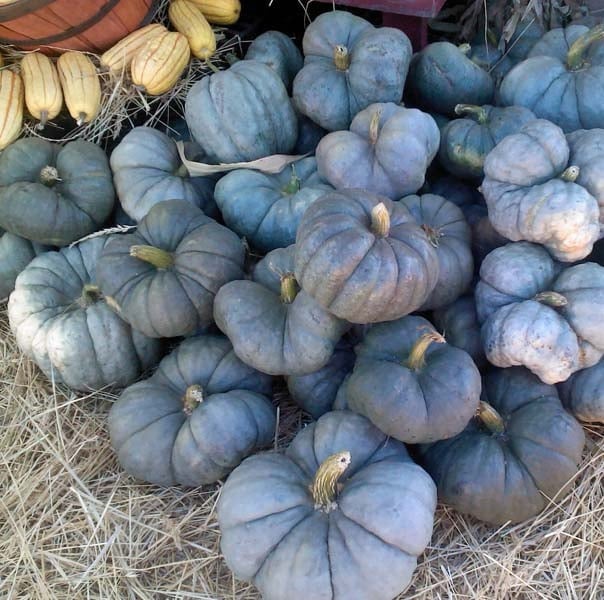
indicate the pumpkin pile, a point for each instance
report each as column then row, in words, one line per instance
column 420, row 276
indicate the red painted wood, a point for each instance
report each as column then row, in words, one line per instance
column 419, row 8
column 416, row 28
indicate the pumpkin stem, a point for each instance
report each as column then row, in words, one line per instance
column 182, row 171
column 575, row 58
column 294, row 184
column 417, row 356
column 49, row 176
column 570, row 174
column 192, row 399
column 324, row 487
column 471, row 110
column 464, row 48
column 490, row 417
column 289, row 288
column 380, row 220
column 90, row 294
column 374, row 127
column 43, row 120
column 341, row 58
column 553, row 299
column 160, row 259
column 433, row 234
column 82, row 118
column 214, row 68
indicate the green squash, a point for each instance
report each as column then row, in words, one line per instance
column 241, row 114
column 442, row 76
column 54, row 194
column 568, row 91
column 364, row 258
column 413, row 385
column 195, row 419
column 532, row 192
column 520, row 451
column 450, row 234
column 538, row 314
column 348, row 65
column 62, row 321
column 163, row 278
column 147, row 169
column 273, row 326
column 465, row 142
column 583, row 394
column 343, row 515
column 267, row 209
column 277, row 51
column 386, row 151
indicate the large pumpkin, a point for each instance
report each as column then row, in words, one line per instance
column 386, row 151
column 364, row 258
column 532, row 192
column 195, row 419
column 54, row 195
column 267, row 209
column 348, row 65
column 343, row 515
column 273, row 326
column 537, row 314
column 163, row 278
column 147, row 169
column 583, row 393
column 62, row 321
column 241, row 114
column 411, row 384
column 516, row 455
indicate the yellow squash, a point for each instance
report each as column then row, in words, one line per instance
column 160, row 62
column 81, row 86
column 220, row 12
column 11, row 107
column 43, row 95
column 119, row 57
column 189, row 20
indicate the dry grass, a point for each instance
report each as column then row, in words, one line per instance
column 72, row 526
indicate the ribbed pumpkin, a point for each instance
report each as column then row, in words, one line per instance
column 81, row 86
column 43, row 94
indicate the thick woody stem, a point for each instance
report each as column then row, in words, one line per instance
column 575, row 59
column 553, row 299
column 380, row 220
column 417, row 356
column 571, row 174
column 192, row 399
column 341, row 58
column 289, row 288
column 324, row 487
column 471, row 110
column 160, row 259
column 490, row 418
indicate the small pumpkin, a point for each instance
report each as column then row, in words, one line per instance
column 54, row 194
column 348, row 65
column 267, row 209
column 532, row 192
column 411, row 384
column 344, row 495
column 583, row 393
column 517, row 454
column 273, row 326
column 538, row 314
column 386, row 151
column 241, row 114
column 62, row 321
column 147, row 169
column 363, row 257
column 195, row 419
column 163, row 278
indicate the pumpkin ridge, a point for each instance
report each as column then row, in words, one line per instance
column 224, row 127
column 209, row 385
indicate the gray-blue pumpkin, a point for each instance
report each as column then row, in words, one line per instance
column 583, row 393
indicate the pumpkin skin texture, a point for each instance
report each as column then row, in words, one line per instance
column 583, row 394
column 277, row 51
column 539, row 315
column 531, row 195
column 449, row 232
column 195, row 419
column 275, row 534
column 63, row 323
column 241, row 114
column 364, row 258
column 147, row 169
column 267, row 209
column 386, row 151
column 54, row 195
column 348, row 65
column 175, row 297
column 411, row 384
column 465, row 82
column 569, row 91
column 273, row 327
column 465, row 142
column 501, row 466
column 557, row 42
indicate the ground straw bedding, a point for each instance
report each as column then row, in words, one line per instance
column 72, row 526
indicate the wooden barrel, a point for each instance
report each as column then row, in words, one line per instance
column 55, row 25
